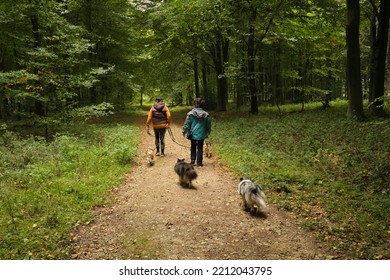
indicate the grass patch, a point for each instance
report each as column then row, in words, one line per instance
column 332, row 171
column 47, row 188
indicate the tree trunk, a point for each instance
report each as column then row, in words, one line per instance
column 204, row 80
column 3, row 106
column 218, row 52
column 260, row 80
column 372, row 39
column 276, row 80
column 35, row 29
column 91, row 92
column 196, row 77
column 142, row 96
column 195, row 66
column 39, row 106
column 251, row 63
column 225, row 59
column 354, row 83
column 379, row 56
column 239, row 85
column 3, row 100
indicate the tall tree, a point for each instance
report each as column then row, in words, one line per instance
column 46, row 71
column 217, row 25
column 379, row 50
column 254, row 45
column 219, row 51
column 354, row 83
column 109, row 26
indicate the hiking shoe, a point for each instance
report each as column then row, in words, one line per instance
column 162, row 155
column 158, row 153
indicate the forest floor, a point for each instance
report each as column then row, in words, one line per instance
column 152, row 217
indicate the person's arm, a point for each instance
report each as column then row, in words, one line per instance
column 149, row 118
column 187, row 125
column 168, row 116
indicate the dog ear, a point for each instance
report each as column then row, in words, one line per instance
column 241, row 179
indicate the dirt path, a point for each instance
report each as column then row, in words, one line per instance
column 153, row 217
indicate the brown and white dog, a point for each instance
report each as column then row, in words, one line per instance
column 150, row 156
column 207, row 150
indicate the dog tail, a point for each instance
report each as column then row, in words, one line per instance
column 262, row 203
column 259, row 201
column 260, row 197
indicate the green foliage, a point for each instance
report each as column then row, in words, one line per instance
column 52, row 61
column 46, row 189
column 93, row 111
column 332, row 171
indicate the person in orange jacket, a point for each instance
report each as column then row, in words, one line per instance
column 160, row 116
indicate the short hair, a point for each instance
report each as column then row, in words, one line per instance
column 158, row 98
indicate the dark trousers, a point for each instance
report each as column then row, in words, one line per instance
column 197, row 151
column 159, row 137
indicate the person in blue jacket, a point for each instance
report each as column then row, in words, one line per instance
column 198, row 125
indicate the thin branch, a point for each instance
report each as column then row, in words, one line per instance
column 375, row 8
column 268, row 27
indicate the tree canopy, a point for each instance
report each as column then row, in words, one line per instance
column 56, row 56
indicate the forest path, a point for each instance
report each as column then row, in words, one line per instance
column 153, row 217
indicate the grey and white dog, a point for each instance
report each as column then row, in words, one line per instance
column 252, row 195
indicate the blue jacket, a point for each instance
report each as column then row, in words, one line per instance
column 198, row 121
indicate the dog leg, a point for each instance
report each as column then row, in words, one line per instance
column 244, row 204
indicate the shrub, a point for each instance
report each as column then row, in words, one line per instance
column 332, row 171
column 46, row 188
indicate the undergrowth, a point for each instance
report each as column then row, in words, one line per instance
column 332, row 171
column 48, row 188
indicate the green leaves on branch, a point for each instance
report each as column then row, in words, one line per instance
column 100, row 110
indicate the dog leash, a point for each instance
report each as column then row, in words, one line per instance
column 173, row 138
